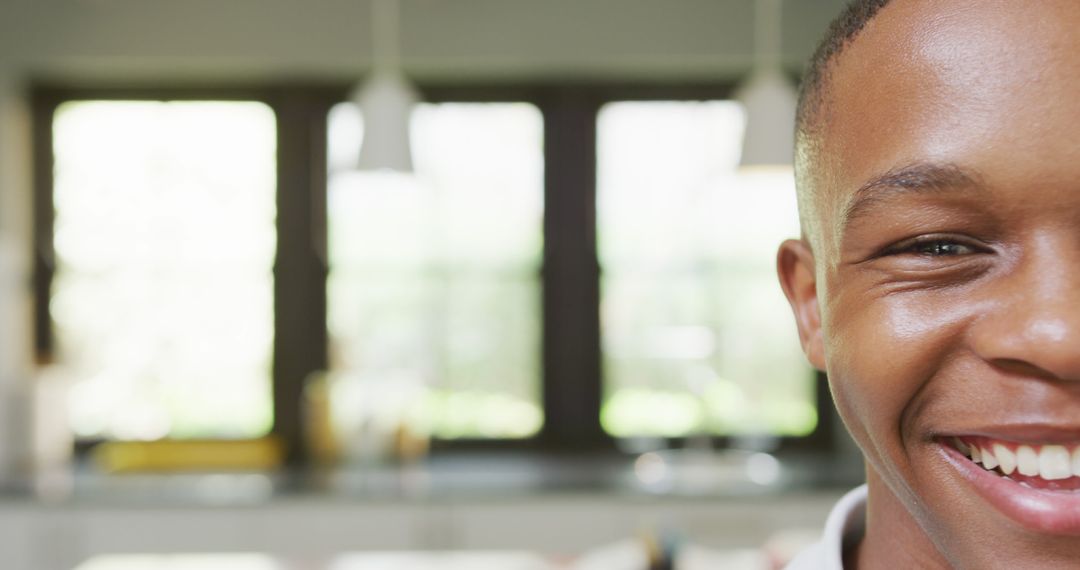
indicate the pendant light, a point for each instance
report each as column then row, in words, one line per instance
column 386, row 97
column 768, row 95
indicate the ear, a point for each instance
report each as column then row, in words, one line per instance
column 795, row 266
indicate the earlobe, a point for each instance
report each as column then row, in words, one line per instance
column 795, row 267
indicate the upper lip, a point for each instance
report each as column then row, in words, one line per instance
column 1032, row 433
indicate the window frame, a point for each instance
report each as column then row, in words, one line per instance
column 571, row 355
column 300, row 269
column 572, row 352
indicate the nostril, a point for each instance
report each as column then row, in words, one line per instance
column 1025, row 369
column 1036, row 334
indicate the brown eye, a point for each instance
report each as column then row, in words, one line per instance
column 936, row 247
column 939, row 248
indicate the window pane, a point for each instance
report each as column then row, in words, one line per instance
column 433, row 292
column 163, row 297
column 697, row 335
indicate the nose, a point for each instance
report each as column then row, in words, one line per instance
column 1032, row 324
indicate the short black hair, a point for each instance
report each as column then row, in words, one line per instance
column 813, row 96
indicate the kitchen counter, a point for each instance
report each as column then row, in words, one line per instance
column 559, row 506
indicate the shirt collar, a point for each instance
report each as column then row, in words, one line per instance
column 844, row 527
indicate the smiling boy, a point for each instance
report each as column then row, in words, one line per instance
column 937, row 280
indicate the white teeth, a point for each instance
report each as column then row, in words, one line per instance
column 1006, row 458
column 1027, row 461
column 1051, row 462
column 989, row 461
column 1054, row 463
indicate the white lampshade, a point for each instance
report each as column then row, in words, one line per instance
column 386, row 100
column 770, row 100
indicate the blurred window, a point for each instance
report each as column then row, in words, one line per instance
column 164, row 236
column 697, row 336
column 433, row 294
column 429, row 300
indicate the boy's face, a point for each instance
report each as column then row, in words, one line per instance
column 943, row 294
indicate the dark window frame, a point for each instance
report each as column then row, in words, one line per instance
column 571, row 354
column 299, row 346
column 571, row 350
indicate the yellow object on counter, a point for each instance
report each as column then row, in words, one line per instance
column 263, row 453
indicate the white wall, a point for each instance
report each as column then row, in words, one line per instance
column 490, row 38
column 15, row 315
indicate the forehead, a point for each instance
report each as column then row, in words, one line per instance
column 991, row 86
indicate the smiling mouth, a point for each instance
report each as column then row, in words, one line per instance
column 1053, row 467
column 1035, row 484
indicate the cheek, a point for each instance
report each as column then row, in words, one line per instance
column 881, row 355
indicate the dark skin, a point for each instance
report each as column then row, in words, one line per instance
column 939, row 281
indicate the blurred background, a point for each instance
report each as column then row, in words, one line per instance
column 404, row 284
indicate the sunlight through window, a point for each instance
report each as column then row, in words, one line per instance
column 163, row 294
column 697, row 334
column 434, row 306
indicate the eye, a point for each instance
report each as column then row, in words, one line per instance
column 940, row 248
column 935, row 246
column 934, row 260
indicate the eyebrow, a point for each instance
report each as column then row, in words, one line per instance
column 922, row 177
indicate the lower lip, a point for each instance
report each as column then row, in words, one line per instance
column 1040, row 510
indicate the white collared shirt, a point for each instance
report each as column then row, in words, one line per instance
column 844, row 527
